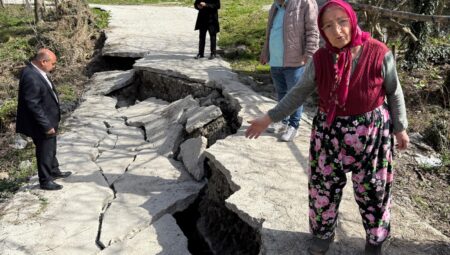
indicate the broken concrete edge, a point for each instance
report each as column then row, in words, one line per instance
column 106, row 52
column 179, row 206
column 231, row 91
column 174, row 75
column 254, row 222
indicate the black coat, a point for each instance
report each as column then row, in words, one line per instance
column 208, row 17
column 38, row 108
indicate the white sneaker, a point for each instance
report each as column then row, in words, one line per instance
column 277, row 128
column 289, row 134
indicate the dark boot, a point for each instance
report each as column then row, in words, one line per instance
column 201, row 44
column 320, row 246
column 372, row 249
column 199, row 56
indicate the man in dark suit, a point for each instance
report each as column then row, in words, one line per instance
column 38, row 116
column 207, row 20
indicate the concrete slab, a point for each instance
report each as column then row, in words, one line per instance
column 125, row 40
column 152, row 187
column 163, row 237
column 192, row 156
column 104, row 83
column 55, row 222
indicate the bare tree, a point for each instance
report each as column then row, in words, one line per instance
column 379, row 11
column 27, row 5
column 38, row 10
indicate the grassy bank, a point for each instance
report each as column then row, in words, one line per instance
column 244, row 23
column 19, row 38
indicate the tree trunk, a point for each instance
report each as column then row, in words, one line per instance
column 1, row 2
column 38, row 10
column 416, row 55
column 27, row 5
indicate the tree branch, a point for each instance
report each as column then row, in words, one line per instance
column 402, row 14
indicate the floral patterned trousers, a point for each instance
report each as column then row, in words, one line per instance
column 362, row 145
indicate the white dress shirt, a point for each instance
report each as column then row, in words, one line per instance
column 44, row 74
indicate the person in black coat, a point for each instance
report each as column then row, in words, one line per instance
column 207, row 20
column 38, row 116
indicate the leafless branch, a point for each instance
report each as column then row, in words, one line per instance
column 402, row 14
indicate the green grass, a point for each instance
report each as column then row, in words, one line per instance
column 67, row 93
column 244, row 23
column 101, row 18
column 15, row 32
column 17, row 176
column 8, row 109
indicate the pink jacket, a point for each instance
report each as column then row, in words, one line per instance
column 301, row 33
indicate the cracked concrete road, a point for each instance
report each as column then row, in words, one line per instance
column 126, row 185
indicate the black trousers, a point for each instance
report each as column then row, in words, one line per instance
column 202, row 40
column 47, row 162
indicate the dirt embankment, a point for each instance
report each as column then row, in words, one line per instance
column 69, row 30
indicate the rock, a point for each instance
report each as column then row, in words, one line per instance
column 4, row 175
column 191, row 153
column 25, row 165
column 429, row 161
column 235, row 52
column 19, row 142
column 208, row 100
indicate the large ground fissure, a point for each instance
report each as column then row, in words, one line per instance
column 211, row 228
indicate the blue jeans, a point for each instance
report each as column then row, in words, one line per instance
column 284, row 78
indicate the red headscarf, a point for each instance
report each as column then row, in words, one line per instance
column 343, row 64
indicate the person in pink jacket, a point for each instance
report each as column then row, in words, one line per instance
column 292, row 37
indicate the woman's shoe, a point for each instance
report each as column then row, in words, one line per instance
column 373, row 249
column 320, row 246
column 199, row 56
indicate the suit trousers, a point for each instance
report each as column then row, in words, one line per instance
column 202, row 40
column 47, row 162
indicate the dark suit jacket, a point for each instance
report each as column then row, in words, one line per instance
column 208, row 17
column 38, row 108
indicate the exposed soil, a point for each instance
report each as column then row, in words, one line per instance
column 425, row 189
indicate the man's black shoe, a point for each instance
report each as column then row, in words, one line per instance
column 212, row 56
column 50, row 185
column 199, row 56
column 62, row 175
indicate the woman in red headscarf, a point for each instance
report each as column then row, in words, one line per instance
column 360, row 110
